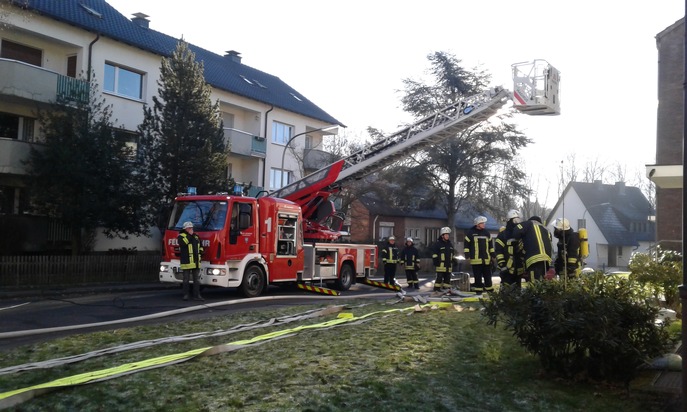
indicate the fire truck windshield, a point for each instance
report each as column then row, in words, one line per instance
column 206, row 215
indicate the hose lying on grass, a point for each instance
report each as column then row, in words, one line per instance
column 15, row 397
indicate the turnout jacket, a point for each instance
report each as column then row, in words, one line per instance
column 570, row 255
column 390, row 254
column 478, row 246
column 190, row 250
column 536, row 242
column 410, row 257
column 442, row 255
column 508, row 253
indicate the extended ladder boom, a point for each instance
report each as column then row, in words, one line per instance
column 429, row 131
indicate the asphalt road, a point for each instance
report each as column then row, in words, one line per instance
column 28, row 320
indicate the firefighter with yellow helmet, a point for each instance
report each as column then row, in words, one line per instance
column 442, row 257
column 567, row 261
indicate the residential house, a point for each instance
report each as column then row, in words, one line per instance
column 46, row 45
column 373, row 220
column 667, row 173
column 617, row 219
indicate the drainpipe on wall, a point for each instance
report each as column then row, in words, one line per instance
column 90, row 52
column 374, row 226
column 264, row 162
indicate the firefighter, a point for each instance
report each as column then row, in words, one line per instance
column 411, row 260
column 442, row 256
column 536, row 247
column 567, row 261
column 390, row 259
column 190, row 253
column 479, row 248
column 508, row 256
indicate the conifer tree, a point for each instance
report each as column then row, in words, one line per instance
column 182, row 140
column 81, row 174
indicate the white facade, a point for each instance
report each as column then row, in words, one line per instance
column 247, row 122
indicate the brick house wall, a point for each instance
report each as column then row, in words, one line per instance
column 670, row 45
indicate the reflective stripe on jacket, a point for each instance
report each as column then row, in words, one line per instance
column 442, row 255
column 190, row 250
column 478, row 246
column 390, row 254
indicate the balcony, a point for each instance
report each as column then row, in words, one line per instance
column 22, row 82
column 315, row 159
column 245, row 144
column 12, row 153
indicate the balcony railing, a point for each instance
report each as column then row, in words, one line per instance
column 12, row 154
column 24, row 81
column 245, row 143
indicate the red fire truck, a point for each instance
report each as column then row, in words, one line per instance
column 292, row 234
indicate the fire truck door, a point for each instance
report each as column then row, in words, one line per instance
column 242, row 232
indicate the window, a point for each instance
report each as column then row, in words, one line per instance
column 414, row 233
column 620, row 251
column 123, row 82
column 16, row 127
column 281, row 133
column 279, row 178
column 130, row 142
column 308, row 141
column 385, row 232
column 26, row 54
column 71, row 66
column 9, row 126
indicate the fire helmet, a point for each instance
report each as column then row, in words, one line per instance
column 444, row 230
column 561, row 224
column 188, row 225
column 410, row 239
column 513, row 213
column 479, row 219
column 391, row 238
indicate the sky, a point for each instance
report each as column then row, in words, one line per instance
column 350, row 58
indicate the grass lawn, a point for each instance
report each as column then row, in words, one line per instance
column 435, row 360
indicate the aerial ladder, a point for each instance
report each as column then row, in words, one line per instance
column 536, row 87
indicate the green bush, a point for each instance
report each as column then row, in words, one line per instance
column 660, row 272
column 595, row 327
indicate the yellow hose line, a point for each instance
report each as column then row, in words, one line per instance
column 11, row 398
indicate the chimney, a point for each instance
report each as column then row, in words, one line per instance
column 233, row 55
column 141, row 19
column 598, row 185
column 620, row 187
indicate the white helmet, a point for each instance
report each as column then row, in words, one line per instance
column 391, row 238
column 479, row 219
column 561, row 224
column 410, row 239
column 187, row 225
column 512, row 214
column 444, row 230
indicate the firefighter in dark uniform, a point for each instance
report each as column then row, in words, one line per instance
column 478, row 249
column 508, row 255
column 536, row 247
column 390, row 259
column 190, row 253
column 411, row 261
column 442, row 256
column 567, row 261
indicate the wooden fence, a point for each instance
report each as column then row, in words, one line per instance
column 46, row 271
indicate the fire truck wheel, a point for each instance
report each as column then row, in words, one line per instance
column 253, row 282
column 346, row 279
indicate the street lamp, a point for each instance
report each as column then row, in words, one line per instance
column 331, row 126
column 583, row 220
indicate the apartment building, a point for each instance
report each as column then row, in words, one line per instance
column 48, row 51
